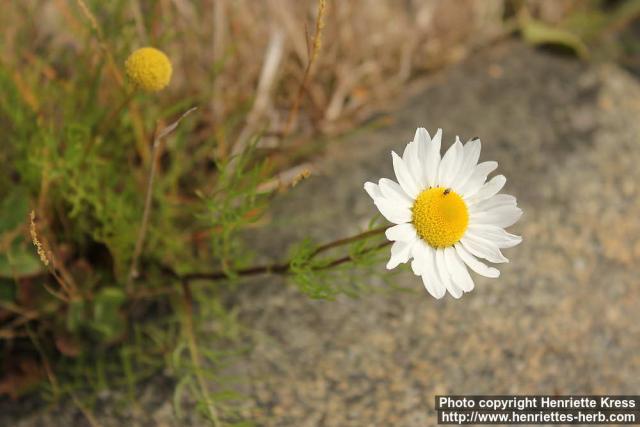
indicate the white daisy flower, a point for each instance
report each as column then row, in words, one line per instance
column 447, row 214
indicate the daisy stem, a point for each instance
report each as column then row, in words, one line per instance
column 282, row 268
column 348, row 240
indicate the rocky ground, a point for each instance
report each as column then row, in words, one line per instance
column 562, row 318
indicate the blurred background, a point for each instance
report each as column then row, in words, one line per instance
column 299, row 103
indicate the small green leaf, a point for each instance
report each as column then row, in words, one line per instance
column 20, row 262
column 106, row 312
column 75, row 315
column 538, row 33
column 14, row 211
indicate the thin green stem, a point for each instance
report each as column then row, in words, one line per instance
column 187, row 299
column 348, row 240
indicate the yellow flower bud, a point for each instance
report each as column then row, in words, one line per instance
column 149, row 69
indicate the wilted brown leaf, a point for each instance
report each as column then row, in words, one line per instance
column 20, row 377
column 67, row 344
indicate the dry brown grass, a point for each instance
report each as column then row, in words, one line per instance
column 246, row 55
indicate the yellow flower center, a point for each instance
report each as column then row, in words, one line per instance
column 440, row 216
column 149, row 69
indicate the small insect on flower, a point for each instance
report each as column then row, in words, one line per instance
column 149, row 69
column 445, row 235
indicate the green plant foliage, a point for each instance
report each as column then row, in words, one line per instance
column 340, row 270
column 538, row 33
column 20, row 261
column 587, row 31
column 81, row 163
column 232, row 205
column 77, row 159
column 107, row 319
column 75, row 315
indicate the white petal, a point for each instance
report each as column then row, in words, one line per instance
column 426, row 255
column 404, row 176
column 458, row 270
column 421, row 137
column 400, row 252
column 411, row 159
column 435, row 288
column 416, row 265
column 392, row 212
column 432, row 165
column 420, row 261
column 444, row 275
column 471, row 154
column 373, row 190
column 473, row 263
column 401, row 232
column 495, row 234
column 450, row 164
column 477, row 178
column 393, row 192
column 422, row 141
column 493, row 202
column 503, row 216
column 408, row 150
column 489, row 189
column 483, row 249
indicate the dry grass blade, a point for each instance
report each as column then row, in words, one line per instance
column 167, row 130
column 315, row 50
column 133, row 270
column 273, row 58
column 64, row 278
column 290, row 177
